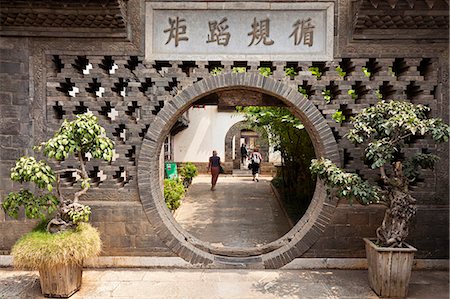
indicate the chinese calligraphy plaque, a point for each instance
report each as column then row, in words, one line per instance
column 180, row 31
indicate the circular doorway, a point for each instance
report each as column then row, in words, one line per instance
column 273, row 255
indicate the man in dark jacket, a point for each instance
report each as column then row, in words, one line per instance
column 243, row 153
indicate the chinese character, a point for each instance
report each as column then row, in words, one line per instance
column 303, row 30
column 175, row 30
column 217, row 32
column 260, row 31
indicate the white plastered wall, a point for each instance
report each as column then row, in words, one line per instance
column 206, row 132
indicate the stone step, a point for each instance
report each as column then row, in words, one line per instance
column 242, row 172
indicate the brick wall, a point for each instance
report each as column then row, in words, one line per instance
column 343, row 237
column 16, row 135
column 117, row 211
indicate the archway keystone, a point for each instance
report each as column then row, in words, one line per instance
column 273, row 255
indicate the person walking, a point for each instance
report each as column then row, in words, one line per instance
column 214, row 166
column 256, row 160
column 243, row 154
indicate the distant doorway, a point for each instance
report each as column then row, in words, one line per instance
column 238, row 134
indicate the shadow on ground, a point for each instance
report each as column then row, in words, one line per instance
column 20, row 286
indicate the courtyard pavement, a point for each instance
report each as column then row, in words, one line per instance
column 239, row 213
column 227, row 284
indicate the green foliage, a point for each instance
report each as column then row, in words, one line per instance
column 286, row 134
column 315, row 72
column 27, row 169
column 79, row 137
column 352, row 93
column 391, row 71
column 174, row 191
column 347, row 185
column 188, row 171
column 290, row 72
column 386, row 129
column 366, row 72
column 412, row 166
column 303, row 91
column 40, row 248
column 269, row 117
column 83, row 135
column 81, row 214
column 35, row 206
column 387, row 125
column 338, row 116
column 265, row 71
column 238, row 69
column 327, row 95
column 340, row 71
column 378, row 95
column 216, row 71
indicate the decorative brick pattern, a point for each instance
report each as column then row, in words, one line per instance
column 137, row 103
column 425, row 79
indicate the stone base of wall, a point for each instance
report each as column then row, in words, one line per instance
column 343, row 238
column 125, row 231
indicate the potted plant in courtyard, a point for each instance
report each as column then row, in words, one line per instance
column 385, row 129
column 57, row 250
column 188, row 171
column 174, row 191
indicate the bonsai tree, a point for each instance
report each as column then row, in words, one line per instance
column 385, row 129
column 78, row 138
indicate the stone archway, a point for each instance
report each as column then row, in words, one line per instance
column 273, row 255
column 235, row 130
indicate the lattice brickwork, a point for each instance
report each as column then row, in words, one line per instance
column 126, row 94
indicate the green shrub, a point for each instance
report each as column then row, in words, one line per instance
column 188, row 171
column 353, row 94
column 366, row 72
column 173, row 192
column 338, row 116
column 238, row 69
column 315, row 71
column 327, row 95
column 303, row 91
column 290, row 72
column 340, row 72
column 216, row 71
column 265, row 71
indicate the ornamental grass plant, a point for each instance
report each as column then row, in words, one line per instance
column 39, row 248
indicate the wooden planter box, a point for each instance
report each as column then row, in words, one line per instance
column 61, row 281
column 389, row 269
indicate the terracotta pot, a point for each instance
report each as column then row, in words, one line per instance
column 61, row 281
column 389, row 269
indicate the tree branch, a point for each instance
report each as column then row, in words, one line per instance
column 84, row 175
column 400, row 138
column 69, row 170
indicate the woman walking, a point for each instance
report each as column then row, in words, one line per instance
column 214, row 166
column 256, row 160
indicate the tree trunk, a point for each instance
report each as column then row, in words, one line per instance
column 395, row 227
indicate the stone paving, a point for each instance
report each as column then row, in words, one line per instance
column 229, row 284
column 239, row 213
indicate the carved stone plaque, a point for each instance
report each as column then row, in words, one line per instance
column 239, row 31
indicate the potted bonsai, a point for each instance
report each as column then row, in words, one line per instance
column 188, row 171
column 57, row 249
column 385, row 129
